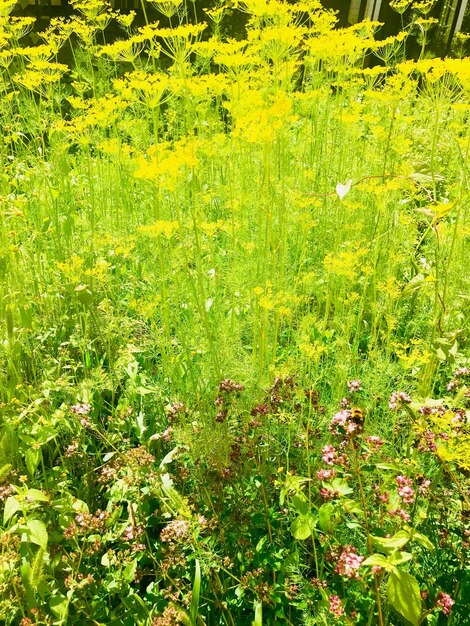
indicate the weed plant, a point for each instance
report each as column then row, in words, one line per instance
column 234, row 296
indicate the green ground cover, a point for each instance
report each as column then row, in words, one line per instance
column 234, row 294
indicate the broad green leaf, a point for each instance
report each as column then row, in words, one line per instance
column 341, row 486
column 290, row 562
column 5, row 470
column 171, row 456
column 130, row 570
column 376, row 559
column 261, row 543
column 37, row 532
column 80, row 506
column 11, row 507
column 25, row 571
column 303, row 526
column 442, row 209
column 31, row 458
column 399, row 557
column 423, row 540
column 35, row 495
column 300, row 503
column 325, row 515
column 414, row 285
column 294, row 484
column 351, row 506
column 84, row 295
column 404, row 596
column 389, row 544
column 176, row 501
column 59, row 606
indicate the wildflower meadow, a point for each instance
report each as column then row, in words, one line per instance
column 234, row 312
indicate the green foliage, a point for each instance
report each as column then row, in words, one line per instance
column 207, row 245
column 404, row 596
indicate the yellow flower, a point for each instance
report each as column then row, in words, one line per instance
column 345, row 264
column 160, row 227
column 73, row 268
column 6, row 7
column 126, row 50
column 164, row 163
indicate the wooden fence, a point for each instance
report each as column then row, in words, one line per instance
column 452, row 14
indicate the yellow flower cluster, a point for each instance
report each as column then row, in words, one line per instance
column 165, row 162
column 345, row 264
column 161, row 227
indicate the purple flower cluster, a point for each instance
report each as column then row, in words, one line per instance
column 176, row 531
column 336, row 607
column 344, row 423
column 398, row 398
column 80, row 409
column 325, row 475
column 405, row 490
column 445, row 602
column 461, row 372
column 354, row 385
column 349, row 562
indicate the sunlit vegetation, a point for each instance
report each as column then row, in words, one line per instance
column 234, row 306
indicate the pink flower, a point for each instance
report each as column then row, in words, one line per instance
column 375, row 441
column 349, row 562
column 328, row 494
column 345, row 422
column 424, row 486
column 345, row 403
column 397, row 398
column 80, row 409
column 445, row 602
column 407, row 493
column 376, row 569
column 400, row 513
column 176, row 531
column 429, row 442
column 336, row 607
column 383, row 497
column 329, row 454
column 354, row 385
column 405, row 490
column 326, row 474
column 340, row 419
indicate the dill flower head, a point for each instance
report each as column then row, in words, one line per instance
column 6, row 7
column 126, row 50
column 125, row 20
column 400, row 6
column 90, row 8
column 168, row 8
column 185, row 31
